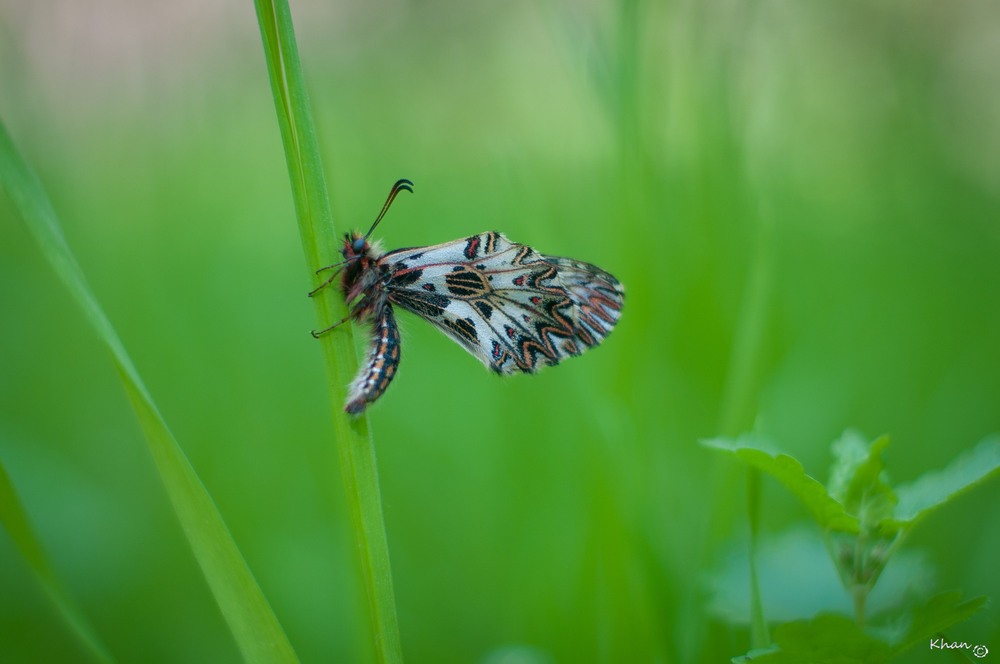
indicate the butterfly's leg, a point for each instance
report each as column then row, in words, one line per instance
column 318, row 333
column 359, row 311
column 328, row 281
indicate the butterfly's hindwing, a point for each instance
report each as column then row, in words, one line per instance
column 511, row 307
column 597, row 297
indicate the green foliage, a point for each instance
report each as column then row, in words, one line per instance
column 936, row 488
column 828, row 512
column 836, row 639
column 856, row 480
column 862, row 529
column 800, row 199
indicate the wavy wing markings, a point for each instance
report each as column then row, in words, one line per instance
column 509, row 306
column 597, row 297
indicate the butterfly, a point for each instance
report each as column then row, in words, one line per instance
column 514, row 309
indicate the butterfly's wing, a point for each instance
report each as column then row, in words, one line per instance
column 511, row 307
column 596, row 295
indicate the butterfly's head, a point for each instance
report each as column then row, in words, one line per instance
column 355, row 245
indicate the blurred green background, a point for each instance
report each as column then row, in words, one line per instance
column 802, row 199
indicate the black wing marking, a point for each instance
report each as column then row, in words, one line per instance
column 509, row 306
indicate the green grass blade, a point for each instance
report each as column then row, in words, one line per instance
column 354, row 442
column 15, row 522
column 255, row 628
column 739, row 400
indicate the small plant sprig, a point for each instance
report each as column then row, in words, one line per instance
column 863, row 521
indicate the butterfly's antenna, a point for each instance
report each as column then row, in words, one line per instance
column 401, row 185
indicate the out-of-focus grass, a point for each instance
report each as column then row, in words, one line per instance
column 253, row 624
column 564, row 511
column 16, row 524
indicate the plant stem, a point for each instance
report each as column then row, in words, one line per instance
column 354, row 442
column 759, row 636
column 859, row 594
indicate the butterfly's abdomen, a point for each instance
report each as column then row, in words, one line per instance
column 383, row 361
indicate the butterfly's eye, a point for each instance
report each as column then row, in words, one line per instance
column 358, row 245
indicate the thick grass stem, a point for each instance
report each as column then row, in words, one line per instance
column 315, row 221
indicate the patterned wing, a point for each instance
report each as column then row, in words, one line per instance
column 597, row 297
column 508, row 305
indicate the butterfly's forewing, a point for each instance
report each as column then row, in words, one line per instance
column 511, row 307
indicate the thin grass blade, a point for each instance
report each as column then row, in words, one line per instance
column 254, row 625
column 15, row 521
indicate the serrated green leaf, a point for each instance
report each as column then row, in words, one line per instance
column 826, row 639
column 849, row 452
column 935, row 488
column 828, row 513
column 938, row 614
column 831, row 638
column 857, row 479
column 754, row 655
